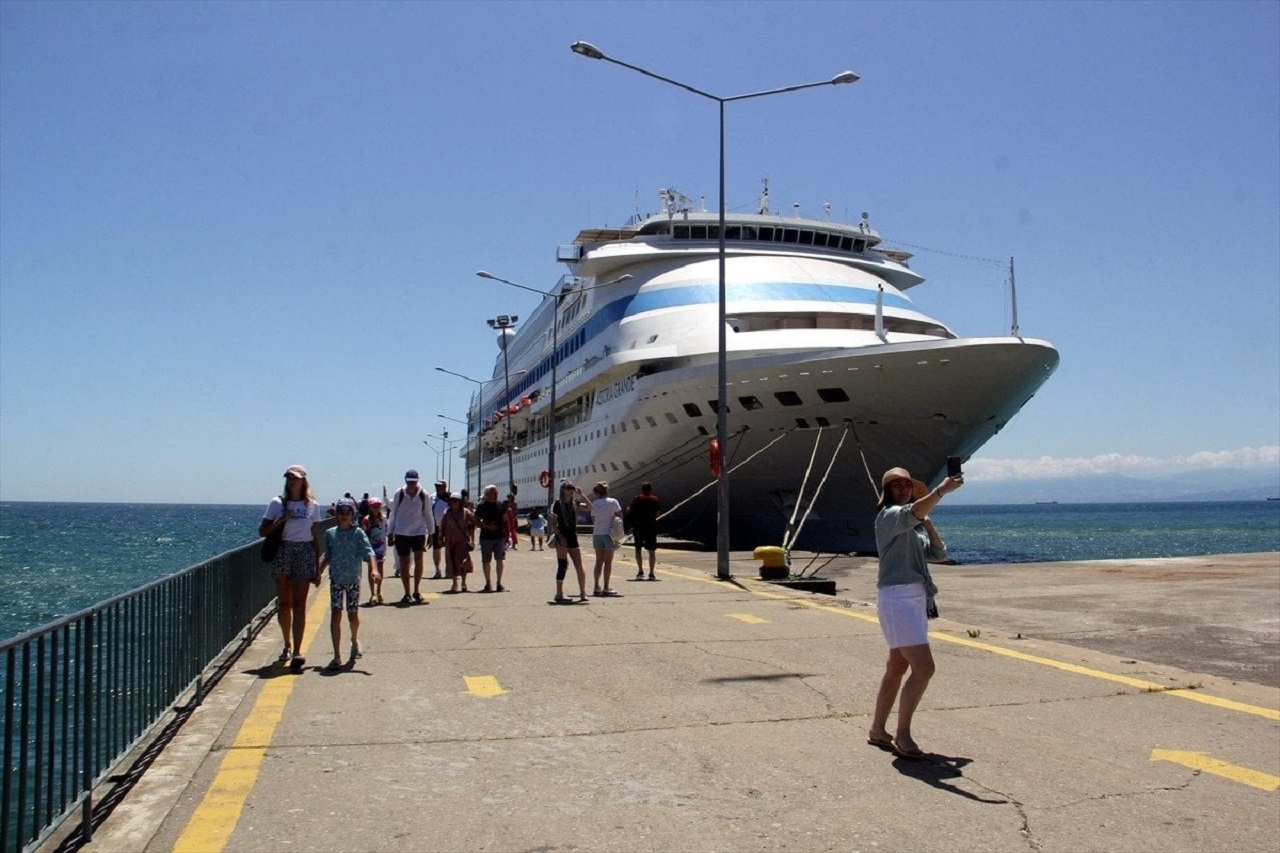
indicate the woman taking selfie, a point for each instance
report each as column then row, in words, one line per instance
column 906, row 541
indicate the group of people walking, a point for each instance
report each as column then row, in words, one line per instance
column 906, row 540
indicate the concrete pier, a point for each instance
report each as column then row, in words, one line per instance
column 1115, row 705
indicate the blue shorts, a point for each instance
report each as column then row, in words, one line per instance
column 493, row 549
column 603, row 542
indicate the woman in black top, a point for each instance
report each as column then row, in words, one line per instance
column 562, row 516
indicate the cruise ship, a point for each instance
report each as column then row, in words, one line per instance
column 833, row 376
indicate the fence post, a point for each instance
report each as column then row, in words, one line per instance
column 86, row 706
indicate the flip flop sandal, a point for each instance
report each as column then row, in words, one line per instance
column 913, row 753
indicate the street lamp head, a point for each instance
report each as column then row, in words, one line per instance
column 485, row 274
column 587, row 49
column 845, row 77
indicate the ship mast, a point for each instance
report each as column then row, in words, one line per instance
column 1013, row 297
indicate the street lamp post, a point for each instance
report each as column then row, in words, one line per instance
column 443, row 438
column 505, row 326
column 467, row 470
column 590, row 51
column 479, row 416
column 554, row 296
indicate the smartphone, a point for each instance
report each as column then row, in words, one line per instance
column 953, row 467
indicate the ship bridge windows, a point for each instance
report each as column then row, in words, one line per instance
column 750, row 403
column 739, row 232
column 770, row 322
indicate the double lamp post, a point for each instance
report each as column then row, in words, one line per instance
column 590, row 51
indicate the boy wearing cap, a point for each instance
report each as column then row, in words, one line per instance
column 345, row 549
column 412, row 521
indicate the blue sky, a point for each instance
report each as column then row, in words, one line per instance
column 235, row 236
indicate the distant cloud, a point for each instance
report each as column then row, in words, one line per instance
column 992, row 470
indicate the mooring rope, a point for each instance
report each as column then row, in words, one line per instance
column 787, row 536
column 739, row 435
column 794, row 534
column 862, row 453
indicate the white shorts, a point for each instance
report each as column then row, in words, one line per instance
column 901, row 609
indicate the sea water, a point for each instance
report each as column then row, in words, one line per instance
column 1055, row 532
column 56, row 559
column 59, row 558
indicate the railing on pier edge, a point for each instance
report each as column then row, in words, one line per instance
column 81, row 693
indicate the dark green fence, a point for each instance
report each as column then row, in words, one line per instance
column 80, row 693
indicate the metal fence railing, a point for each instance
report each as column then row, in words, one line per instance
column 80, row 693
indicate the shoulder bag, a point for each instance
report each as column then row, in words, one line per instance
column 272, row 541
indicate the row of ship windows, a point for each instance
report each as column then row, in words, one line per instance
column 748, row 402
column 770, row 234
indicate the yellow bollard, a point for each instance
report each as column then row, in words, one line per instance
column 773, row 562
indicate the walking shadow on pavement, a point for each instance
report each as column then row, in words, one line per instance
column 941, row 772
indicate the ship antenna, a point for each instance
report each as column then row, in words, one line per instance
column 796, row 207
column 1013, row 297
column 864, row 226
column 826, row 208
column 764, row 197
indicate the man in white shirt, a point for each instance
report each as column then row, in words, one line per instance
column 408, row 527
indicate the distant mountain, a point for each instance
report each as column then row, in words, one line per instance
column 1203, row 485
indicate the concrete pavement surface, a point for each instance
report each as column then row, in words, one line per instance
column 695, row 714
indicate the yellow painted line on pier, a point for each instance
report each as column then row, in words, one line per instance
column 1234, row 772
column 218, row 813
column 483, row 685
column 748, row 618
column 751, row 585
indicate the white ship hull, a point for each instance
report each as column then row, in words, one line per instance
column 825, row 388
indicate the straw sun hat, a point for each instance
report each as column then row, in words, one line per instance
column 918, row 489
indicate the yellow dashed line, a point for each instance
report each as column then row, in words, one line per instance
column 483, row 685
column 1206, row 764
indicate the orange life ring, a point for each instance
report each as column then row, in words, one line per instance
column 544, row 479
column 715, row 457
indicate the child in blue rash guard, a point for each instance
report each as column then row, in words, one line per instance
column 345, row 549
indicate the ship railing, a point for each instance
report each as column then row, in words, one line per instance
column 81, row 693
